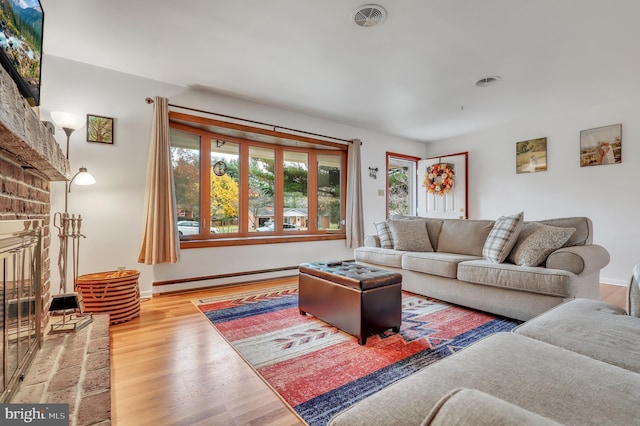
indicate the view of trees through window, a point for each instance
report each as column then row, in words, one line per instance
column 401, row 194
column 251, row 202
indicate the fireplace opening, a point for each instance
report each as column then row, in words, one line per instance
column 20, row 300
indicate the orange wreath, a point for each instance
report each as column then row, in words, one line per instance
column 439, row 178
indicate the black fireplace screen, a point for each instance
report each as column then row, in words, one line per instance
column 20, row 299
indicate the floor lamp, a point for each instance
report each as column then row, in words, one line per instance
column 69, row 231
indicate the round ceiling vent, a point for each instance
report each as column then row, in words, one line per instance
column 487, row 81
column 369, row 15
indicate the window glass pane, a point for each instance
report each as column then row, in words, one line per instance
column 262, row 189
column 225, row 188
column 185, row 160
column 296, row 191
column 400, row 187
column 329, row 178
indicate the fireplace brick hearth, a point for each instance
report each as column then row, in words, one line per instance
column 74, row 369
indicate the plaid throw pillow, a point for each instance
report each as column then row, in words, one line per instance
column 502, row 238
column 384, row 233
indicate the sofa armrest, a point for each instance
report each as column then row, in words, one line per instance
column 372, row 241
column 579, row 259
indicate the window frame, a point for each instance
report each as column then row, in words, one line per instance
column 209, row 130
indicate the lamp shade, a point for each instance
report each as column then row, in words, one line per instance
column 65, row 120
column 83, row 177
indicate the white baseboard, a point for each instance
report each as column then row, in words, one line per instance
column 613, row 282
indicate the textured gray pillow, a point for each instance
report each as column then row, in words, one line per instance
column 502, row 238
column 537, row 241
column 384, row 234
column 410, row 235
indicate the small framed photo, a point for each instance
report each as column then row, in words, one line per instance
column 601, row 145
column 99, row 129
column 531, row 156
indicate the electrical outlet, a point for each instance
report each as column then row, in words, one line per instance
column 121, row 268
column 381, row 192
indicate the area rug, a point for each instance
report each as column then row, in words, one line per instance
column 319, row 370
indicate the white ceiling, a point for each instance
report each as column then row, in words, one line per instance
column 410, row 76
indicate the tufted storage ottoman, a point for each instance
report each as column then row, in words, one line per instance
column 357, row 299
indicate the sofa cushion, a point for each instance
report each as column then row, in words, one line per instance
column 471, row 407
column 384, row 234
column 536, row 242
column 502, row 238
column 548, row 380
column 592, row 328
column 441, row 264
column 410, row 235
column 552, row 282
column 464, row 236
column 379, row 256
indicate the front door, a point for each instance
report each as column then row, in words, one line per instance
column 453, row 204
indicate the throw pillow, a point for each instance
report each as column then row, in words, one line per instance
column 384, row 234
column 410, row 235
column 537, row 241
column 502, row 238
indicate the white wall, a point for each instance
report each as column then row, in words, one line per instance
column 607, row 194
column 113, row 208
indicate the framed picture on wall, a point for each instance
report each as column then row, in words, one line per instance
column 99, row 129
column 601, row 145
column 531, row 156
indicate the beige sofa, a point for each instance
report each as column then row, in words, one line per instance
column 451, row 262
column 578, row 364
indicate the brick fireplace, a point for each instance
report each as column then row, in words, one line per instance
column 30, row 158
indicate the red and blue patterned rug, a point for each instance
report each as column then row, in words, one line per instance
column 319, row 370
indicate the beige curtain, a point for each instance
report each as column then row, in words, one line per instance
column 355, row 225
column 160, row 242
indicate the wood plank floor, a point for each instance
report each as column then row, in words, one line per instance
column 170, row 367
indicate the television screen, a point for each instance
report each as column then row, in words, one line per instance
column 21, row 25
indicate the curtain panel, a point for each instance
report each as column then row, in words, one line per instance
column 355, row 225
column 160, row 241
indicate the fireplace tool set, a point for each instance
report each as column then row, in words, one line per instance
column 69, row 232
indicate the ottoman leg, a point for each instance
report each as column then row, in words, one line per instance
column 302, row 312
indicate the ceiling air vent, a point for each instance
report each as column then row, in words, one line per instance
column 487, row 81
column 369, row 15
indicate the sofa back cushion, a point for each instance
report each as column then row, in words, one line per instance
column 583, row 225
column 464, row 236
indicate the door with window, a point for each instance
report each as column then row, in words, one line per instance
column 401, row 184
column 442, row 201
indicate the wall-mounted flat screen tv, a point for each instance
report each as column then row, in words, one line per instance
column 21, row 25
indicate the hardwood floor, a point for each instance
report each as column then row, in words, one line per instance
column 170, row 367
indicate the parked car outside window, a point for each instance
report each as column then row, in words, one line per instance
column 270, row 226
column 191, row 227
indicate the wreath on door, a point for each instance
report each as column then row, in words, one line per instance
column 439, row 178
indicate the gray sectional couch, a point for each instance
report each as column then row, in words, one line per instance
column 448, row 259
column 578, row 364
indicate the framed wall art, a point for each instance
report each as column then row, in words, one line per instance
column 531, row 156
column 99, row 129
column 601, row 145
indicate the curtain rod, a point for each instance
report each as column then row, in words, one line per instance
column 150, row 101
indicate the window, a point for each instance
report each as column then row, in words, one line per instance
column 401, row 184
column 255, row 187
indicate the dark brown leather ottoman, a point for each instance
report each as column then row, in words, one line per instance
column 357, row 299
